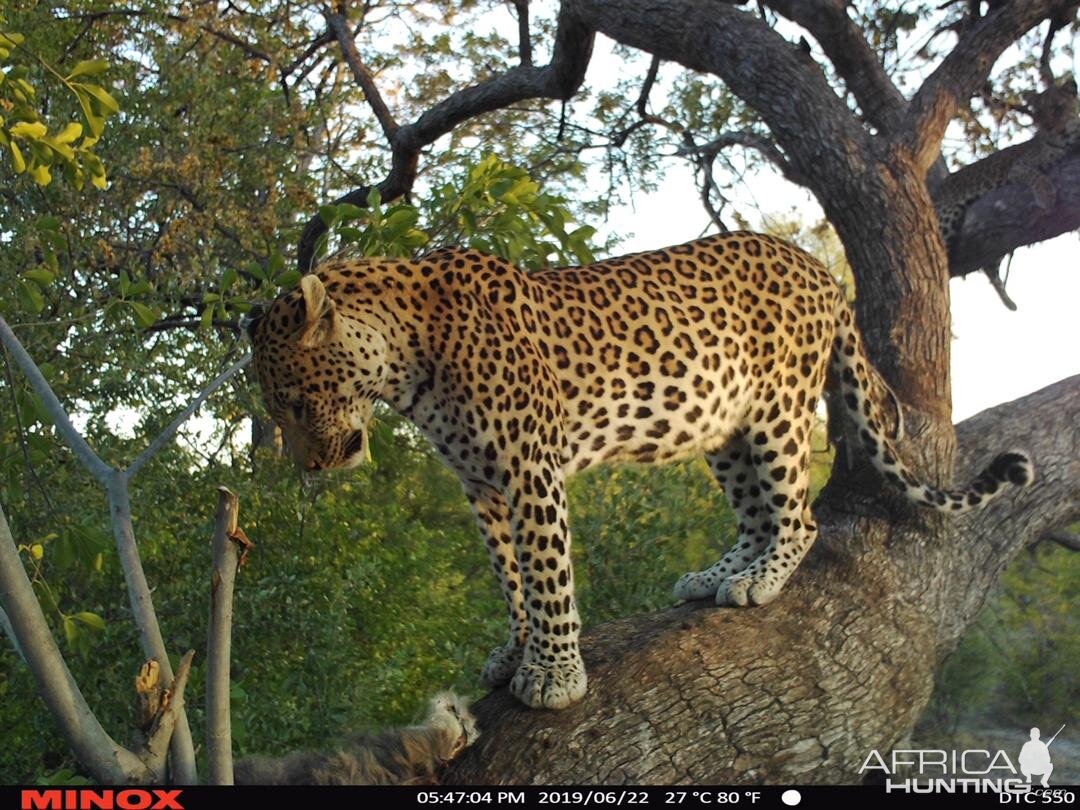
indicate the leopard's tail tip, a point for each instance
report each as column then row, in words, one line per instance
column 1013, row 466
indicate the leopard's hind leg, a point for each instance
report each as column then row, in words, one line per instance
column 734, row 470
column 783, row 474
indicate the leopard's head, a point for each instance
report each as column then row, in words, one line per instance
column 320, row 373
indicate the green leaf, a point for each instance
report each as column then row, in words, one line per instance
column 290, row 278
column 30, row 297
column 71, row 630
column 144, row 316
column 255, row 269
column 140, row 287
column 228, row 278
column 90, row 67
column 401, row 219
column 62, row 149
column 41, row 174
column 374, row 198
column 106, row 101
column 91, row 620
column 95, row 121
column 347, row 212
column 40, row 276
column 329, row 215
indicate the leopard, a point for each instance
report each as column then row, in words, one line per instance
column 1056, row 115
column 719, row 347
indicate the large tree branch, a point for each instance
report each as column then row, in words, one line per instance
column 787, row 89
column 851, row 55
column 964, row 70
column 96, row 750
column 1042, row 424
column 339, row 25
column 803, row 689
column 1067, row 540
column 219, row 641
column 83, row 451
column 1009, row 217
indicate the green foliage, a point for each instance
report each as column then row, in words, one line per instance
column 498, row 208
column 637, row 529
column 375, row 230
column 493, row 206
column 1020, row 659
column 35, row 147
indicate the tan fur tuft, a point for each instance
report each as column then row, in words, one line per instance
column 406, row 756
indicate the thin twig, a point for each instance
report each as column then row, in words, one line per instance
column 749, row 140
column 993, row 275
column 9, row 631
column 184, row 415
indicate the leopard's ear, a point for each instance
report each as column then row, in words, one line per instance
column 318, row 312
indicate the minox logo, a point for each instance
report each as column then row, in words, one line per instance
column 972, row 771
column 88, row 799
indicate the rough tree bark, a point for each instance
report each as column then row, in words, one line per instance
column 803, row 689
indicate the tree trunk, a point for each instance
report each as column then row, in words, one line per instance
column 803, row 689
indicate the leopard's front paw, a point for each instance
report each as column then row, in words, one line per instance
column 748, row 589
column 502, row 664
column 549, row 685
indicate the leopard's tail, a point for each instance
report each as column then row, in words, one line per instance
column 858, row 381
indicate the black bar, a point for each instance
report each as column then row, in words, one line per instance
column 685, row 797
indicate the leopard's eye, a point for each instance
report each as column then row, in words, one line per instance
column 297, row 410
